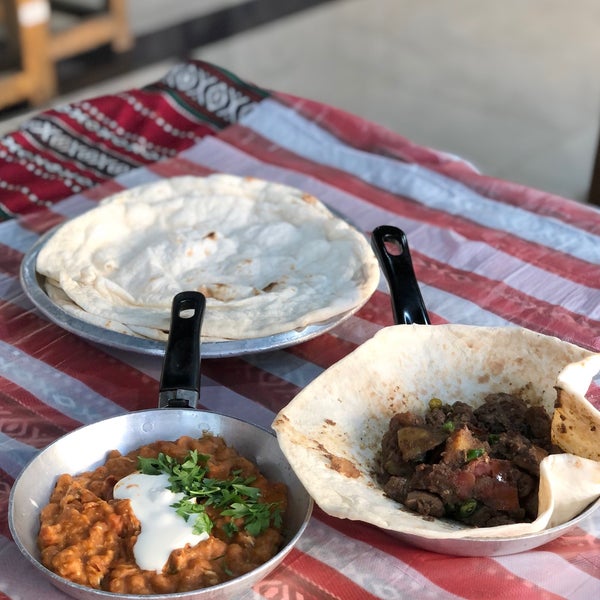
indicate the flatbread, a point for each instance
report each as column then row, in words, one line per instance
column 575, row 422
column 268, row 257
column 331, row 431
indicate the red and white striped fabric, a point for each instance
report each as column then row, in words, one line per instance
column 486, row 252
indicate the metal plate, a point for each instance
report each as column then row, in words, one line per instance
column 33, row 285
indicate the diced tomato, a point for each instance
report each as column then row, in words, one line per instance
column 463, row 483
column 498, row 495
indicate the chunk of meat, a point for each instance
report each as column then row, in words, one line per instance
column 521, row 451
column 396, row 488
column 502, row 412
column 539, row 426
column 425, row 503
column 451, row 485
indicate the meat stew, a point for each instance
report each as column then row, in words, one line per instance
column 478, row 466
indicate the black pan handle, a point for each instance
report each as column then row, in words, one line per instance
column 180, row 378
column 391, row 248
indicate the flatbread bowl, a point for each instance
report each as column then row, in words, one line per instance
column 331, row 432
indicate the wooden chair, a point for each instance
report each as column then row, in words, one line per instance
column 37, row 49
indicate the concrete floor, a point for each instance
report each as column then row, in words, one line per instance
column 512, row 86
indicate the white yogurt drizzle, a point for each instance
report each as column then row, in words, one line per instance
column 163, row 530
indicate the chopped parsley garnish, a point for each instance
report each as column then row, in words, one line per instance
column 474, row 453
column 235, row 497
column 467, row 508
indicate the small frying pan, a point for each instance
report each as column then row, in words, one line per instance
column 391, row 248
column 86, row 448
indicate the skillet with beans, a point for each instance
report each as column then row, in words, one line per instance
column 89, row 537
column 478, row 466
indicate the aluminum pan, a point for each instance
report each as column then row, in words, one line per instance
column 85, row 448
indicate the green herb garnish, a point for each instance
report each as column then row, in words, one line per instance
column 474, row 453
column 234, row 497
column 467, row 508
column 493, row 438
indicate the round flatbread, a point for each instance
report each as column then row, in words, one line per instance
column 269, row 258
column 331, row 431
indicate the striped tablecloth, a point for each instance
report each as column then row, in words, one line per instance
column 487, row 252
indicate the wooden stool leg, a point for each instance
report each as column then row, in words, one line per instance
column 34, row 25
column 8, row 16
column 122, row 37
column 36, row 82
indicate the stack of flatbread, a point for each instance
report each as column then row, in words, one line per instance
column 268, row 257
